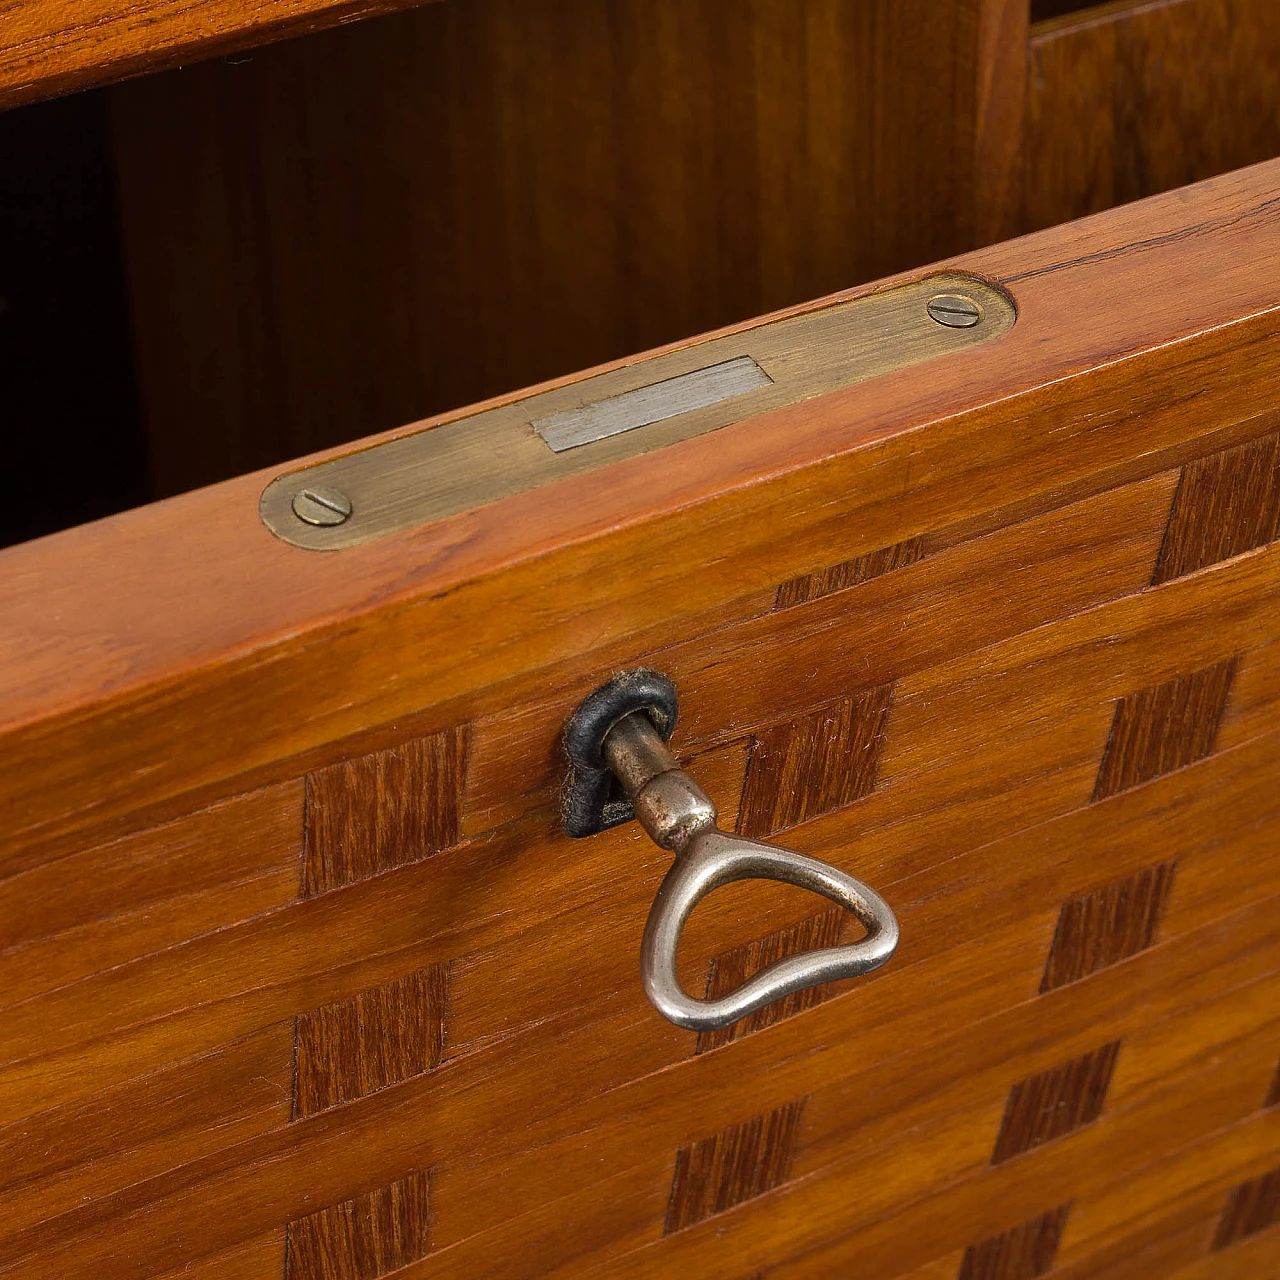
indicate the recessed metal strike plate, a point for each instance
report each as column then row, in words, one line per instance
column 442, row 470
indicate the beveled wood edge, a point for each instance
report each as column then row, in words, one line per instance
column 45, row 52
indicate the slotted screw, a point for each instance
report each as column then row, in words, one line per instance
column 954, row 310
column 321, row 505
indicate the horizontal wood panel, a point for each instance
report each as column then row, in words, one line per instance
column 990, row 1200
column 741, row 677
column 1149, row 1248
column 1254, row 1256
column 961, row 1136
column 60, row 1158
column 381, row 1124
column 104, row 907
column 845, row 469
column 399, row 935
column 251, row 1261
column 436, row 1054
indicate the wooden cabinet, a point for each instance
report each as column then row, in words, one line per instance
column 302, row 977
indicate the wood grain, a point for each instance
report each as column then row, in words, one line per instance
column 70, row 1154
column 114, row 903
column 1163, row 728
column 250, row 1261
column 369, row 1041
column 1273, row 1094
column 368, row 1236
column 1055, row 1102
column 1104, row 927
column 733, row 1166
column 731, row 969
column 1251, row 1207
column 1001, row 108
column 749, row 673
column 814, row 764
column 1255, row 1255
column 236, row 961
column 379, row 811
column 994, row 721
column 1021, row 1253
column 704, row 160
column 982, row 1200
column 56, row 46
column 1227, row 503
column 216, row 988
column 944, row 1062
column 1068, row 425
column 1147, row 1247
column 1127, row 99
column 849, row 573
column 409, row 1123
column 1039, row 924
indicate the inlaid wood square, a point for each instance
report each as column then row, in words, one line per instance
column 1020, row 1253
column 731, row 969
column 369, row 1041
column 382, row 810
column 1226, row 504
column 1163, row 728
column 849, row 573
column 737, row 1164
column 1251, row 1207
column 1055, row 1102
column 1102, row 928
column 814, row 764
column 368, row 1236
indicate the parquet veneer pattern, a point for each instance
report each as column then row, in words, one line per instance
column 1227, row 503
column 379, row 811
column 1163, row 728
column 849, row 573
column 818, row 762
column 1220, row 790
column 365, row 1237
column 731, row 969
column 739, row 1163
column 1251, row 1207
column 1055, row 1102
column 368, row 1041
column 1021, row 1253
column 1102, row 928
column 595, row 1092
column 1132, row 1001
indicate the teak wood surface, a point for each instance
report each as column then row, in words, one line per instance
column 300, row 977
column 486, row 181
column 55, row 46
column 504, row 191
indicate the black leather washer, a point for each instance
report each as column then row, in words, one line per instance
column 592, row 800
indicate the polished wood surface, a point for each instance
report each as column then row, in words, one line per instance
column 964, row 635
column 388, row 221
column 1134, row 97
column 50, row 47
column 315, row 650
column 364, row 227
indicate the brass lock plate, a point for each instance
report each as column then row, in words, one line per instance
column 471, row 461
